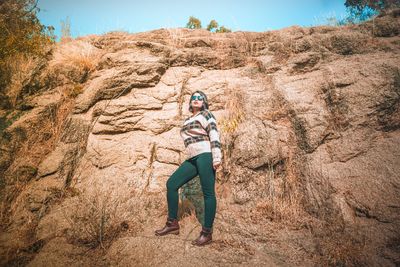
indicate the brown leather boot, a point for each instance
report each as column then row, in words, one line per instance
column 204, row 238
column 171, row 227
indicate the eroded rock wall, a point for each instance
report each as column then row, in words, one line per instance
column 320, row 122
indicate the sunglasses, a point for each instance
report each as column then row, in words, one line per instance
column 198, row 97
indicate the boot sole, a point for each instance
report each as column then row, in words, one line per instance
column 174, row 232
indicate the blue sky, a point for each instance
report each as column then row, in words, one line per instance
column 101, row 16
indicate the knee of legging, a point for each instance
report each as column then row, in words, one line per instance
column 170, row 185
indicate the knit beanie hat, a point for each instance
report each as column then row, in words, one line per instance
column 205, row 101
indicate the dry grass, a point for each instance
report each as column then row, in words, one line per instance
column 36, row 137
column 277, row 209
column 43, row 134
column 94, row 218
column 189, row 226
column 31, row 145
column 228, row 125
column 21, row 68
column 283, row 201
column 100, row 216
column 177, row 37
column 73, row 90
column 76, row 54
column 185, row 207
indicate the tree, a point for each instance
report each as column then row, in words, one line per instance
column 193, row 23
column 378, row 5
column 223, row 29
column 212, row 25
column 21, row 34
column 363, row 10
column 20, row 29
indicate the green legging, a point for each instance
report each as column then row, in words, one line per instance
column 198, row 165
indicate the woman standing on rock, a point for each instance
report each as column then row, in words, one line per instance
column 203, row 150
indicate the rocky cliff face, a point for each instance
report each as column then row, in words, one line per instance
column 309, row 122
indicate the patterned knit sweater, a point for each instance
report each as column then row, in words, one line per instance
column 200, row 135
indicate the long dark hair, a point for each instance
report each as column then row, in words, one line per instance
column 205, row 101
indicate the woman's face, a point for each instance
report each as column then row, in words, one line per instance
column 196, row 102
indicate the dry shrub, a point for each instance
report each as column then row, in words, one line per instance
column 29, row 146
column 189, row 226
column 277, row 209
column 74, row 90
column 7, row 197
column 185, row 207
column 43, row 134
column 73, row 60
column 21, row 35
column 21, row 69
column 94, row 219
column 284, row 202
column 229, row 123
column 177, row 37
column 79, row 54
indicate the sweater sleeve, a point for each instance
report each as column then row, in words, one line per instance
column 210, row 125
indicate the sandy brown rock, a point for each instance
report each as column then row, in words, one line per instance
column 319, row 133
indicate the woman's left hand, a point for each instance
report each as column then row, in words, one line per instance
column 216, row 165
